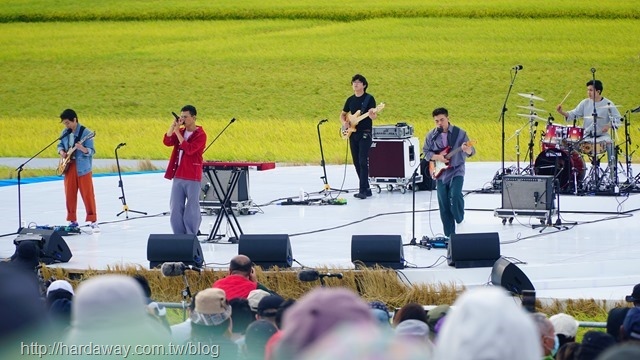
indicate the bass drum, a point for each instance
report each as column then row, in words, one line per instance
column 558, row 163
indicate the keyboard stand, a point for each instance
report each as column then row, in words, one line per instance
column 225, row 205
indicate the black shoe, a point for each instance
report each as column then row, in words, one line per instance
column 360, row 196
column 368, row 193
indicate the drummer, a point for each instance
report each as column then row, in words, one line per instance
column 607, row 116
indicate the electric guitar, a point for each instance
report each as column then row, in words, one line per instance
column 437, row 168
column 63, row 165
column 354, row 119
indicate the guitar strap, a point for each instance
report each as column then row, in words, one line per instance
column 453, row 136
column 365, row 103
column 77, row 139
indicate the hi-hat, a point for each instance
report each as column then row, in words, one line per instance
column 531, row 96
column 531, row 108
column 609, row 106
column 532, row 116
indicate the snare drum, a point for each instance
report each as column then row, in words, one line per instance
column 586, row 146
column 574, row 134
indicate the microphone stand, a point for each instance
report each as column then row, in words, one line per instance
column 186, row 292
column 125, row 207
column 19, row 170
column 327, row 188
column 502, row 113
column 413, row 213
column 216, row 138
column 595, row 162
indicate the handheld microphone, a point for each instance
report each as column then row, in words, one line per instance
column 517, row 67
column 176, row 116
column 176, row 268
column 308, row 275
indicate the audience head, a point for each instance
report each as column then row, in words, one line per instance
column 27, row 255
column 59, row 289
column 410, row 311
column 254, row 298
column 548, row 337
column 593, row 344
column 414, row 330
column 144, row 284
column 281, row 311
column 21, row 308
column 211, row 309
column 485, row 323
column 317, row 314
column 567, row 351
column 435, row 315
column 614, row 322
column 631, row 325
column 380, row 312
column 635, row 296
column 240, row 265
column 258, row 333
column 60, row 313
column 112, row 309
column 565, row 327
column 268, row 307
column 241, row 315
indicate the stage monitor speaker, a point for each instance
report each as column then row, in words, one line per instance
column 267, row 250
column 510, row 277
column 473, row 250
column 183, row 248
column 526, row 192
column 53, row 247
column 381, row 250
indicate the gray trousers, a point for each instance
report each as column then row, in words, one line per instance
column 185, row 206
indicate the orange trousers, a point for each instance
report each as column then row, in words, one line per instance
column 84, row 183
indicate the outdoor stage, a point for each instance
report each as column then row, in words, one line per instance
column 597, row 258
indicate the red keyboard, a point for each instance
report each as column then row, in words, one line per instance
column 242, row 164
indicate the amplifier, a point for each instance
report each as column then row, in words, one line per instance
column 397, row 131
column 526, row 192
column 208, row 195
column 389, row 158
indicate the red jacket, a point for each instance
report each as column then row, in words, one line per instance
column 235, row 286
column 191, row 164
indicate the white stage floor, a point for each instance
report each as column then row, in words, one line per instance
column 598, row 258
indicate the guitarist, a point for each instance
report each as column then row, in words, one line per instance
column 360, row 141
column 78, row 176
column 449, row 186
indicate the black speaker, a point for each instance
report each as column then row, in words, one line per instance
column 510, row 277
column 267, row 250
column 184, row 248
column 53, row 247
column 382, row 250
column 473, row 250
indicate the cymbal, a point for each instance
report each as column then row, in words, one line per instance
column 531, row 96
column 532, row 116
column 531, row 108
column 609, row 106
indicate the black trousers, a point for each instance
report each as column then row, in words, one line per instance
column 360, row 143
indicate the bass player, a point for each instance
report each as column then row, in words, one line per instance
column 445, row 138
column 76, row 146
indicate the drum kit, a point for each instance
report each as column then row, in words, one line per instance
column 563, row 149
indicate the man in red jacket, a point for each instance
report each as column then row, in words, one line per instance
column 241, row 279
column 185, row 168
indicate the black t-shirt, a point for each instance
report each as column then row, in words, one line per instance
column 354, row 104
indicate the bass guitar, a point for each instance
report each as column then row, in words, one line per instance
column 437, row 168
column 353, row 120
column 63, row 165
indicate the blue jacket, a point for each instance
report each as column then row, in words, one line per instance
column 83, row 161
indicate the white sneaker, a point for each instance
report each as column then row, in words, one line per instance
column 94, row 227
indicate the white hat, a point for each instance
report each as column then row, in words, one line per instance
column 564, row 324
column 60, row 284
